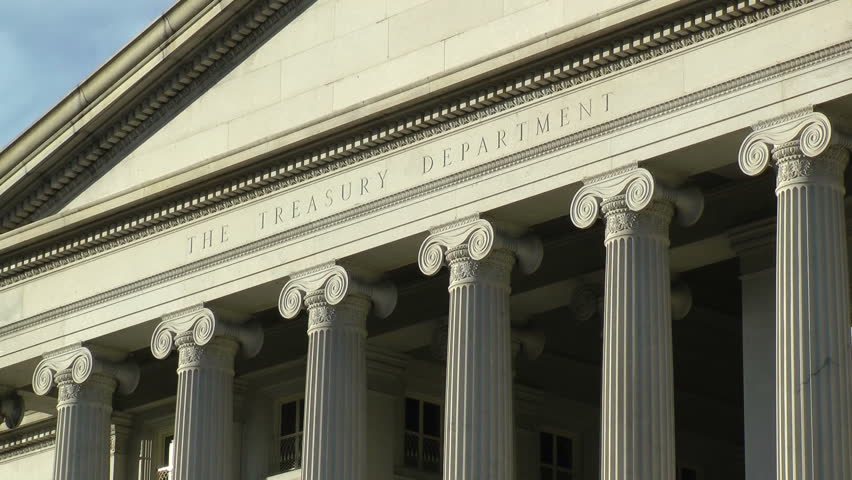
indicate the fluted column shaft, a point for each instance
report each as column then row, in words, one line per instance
column 86, row 384
column 204, row 412
column 83, row 427
column 814, row 413
column 637, row 431
column 478, row 419
column 335, row 441
column 335, row 435
column 478, row 414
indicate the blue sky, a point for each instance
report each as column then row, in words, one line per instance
column 47, row 47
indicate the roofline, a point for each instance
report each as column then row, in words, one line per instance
column 91, row 90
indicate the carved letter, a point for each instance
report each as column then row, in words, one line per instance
column 542, row 127
column 447, row 156
column 482, row 146
column 431, row 163
column 464, row 148
column 521, row 129
column 564, row 114
column 587, row 110
column 382, row 175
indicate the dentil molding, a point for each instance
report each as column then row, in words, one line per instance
column 583, row 67
column 249, row 188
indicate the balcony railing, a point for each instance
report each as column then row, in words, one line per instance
column 291, row 452
column 422, row 452
column 164, row 473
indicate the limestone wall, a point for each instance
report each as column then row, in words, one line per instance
column 339, row 55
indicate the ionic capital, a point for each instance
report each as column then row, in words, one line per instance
column 803, row 132
column 334, row 283
column 202, row 326
column 76, row 364
column 638, row 189
column 481, row 238
column 11, row 408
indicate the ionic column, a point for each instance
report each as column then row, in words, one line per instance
column 86, row 383
column 478, row 418
column 813, row 377
column 335, row 433
column 204, row 412
column 637, row 411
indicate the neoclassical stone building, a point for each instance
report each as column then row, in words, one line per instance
column 423, row 239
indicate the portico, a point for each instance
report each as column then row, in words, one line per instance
column 555, row 263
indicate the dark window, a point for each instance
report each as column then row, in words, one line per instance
column 556, row 457
column 290, row 435
column 422, row 440
column 167, row 449
column 688, row 474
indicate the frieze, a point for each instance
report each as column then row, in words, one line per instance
column 572, row 72
column 370, row 206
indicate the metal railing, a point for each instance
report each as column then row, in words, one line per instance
column 164, row 473
column 291, row 452
column 422, row 452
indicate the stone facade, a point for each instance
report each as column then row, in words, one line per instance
column 273, row 188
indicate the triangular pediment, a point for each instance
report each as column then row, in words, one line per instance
column 243, row 105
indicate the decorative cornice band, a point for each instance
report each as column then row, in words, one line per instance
column 40, row 264
column 27, row 440
column 576, row 70
column 334, row 283
column 195, row 75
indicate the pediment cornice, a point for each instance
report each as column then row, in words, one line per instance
column 198, row 71
column 576, row 69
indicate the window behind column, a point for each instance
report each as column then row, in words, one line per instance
column 164, row 472
column 292, row 416
column 687, row 473
column 557, row 457
column 422, row 442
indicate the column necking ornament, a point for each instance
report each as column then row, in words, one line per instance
column 637, row 411
column 814, row 368
column 478, row 420
column 86, row 384
column 204, row 413
column 335, row 432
